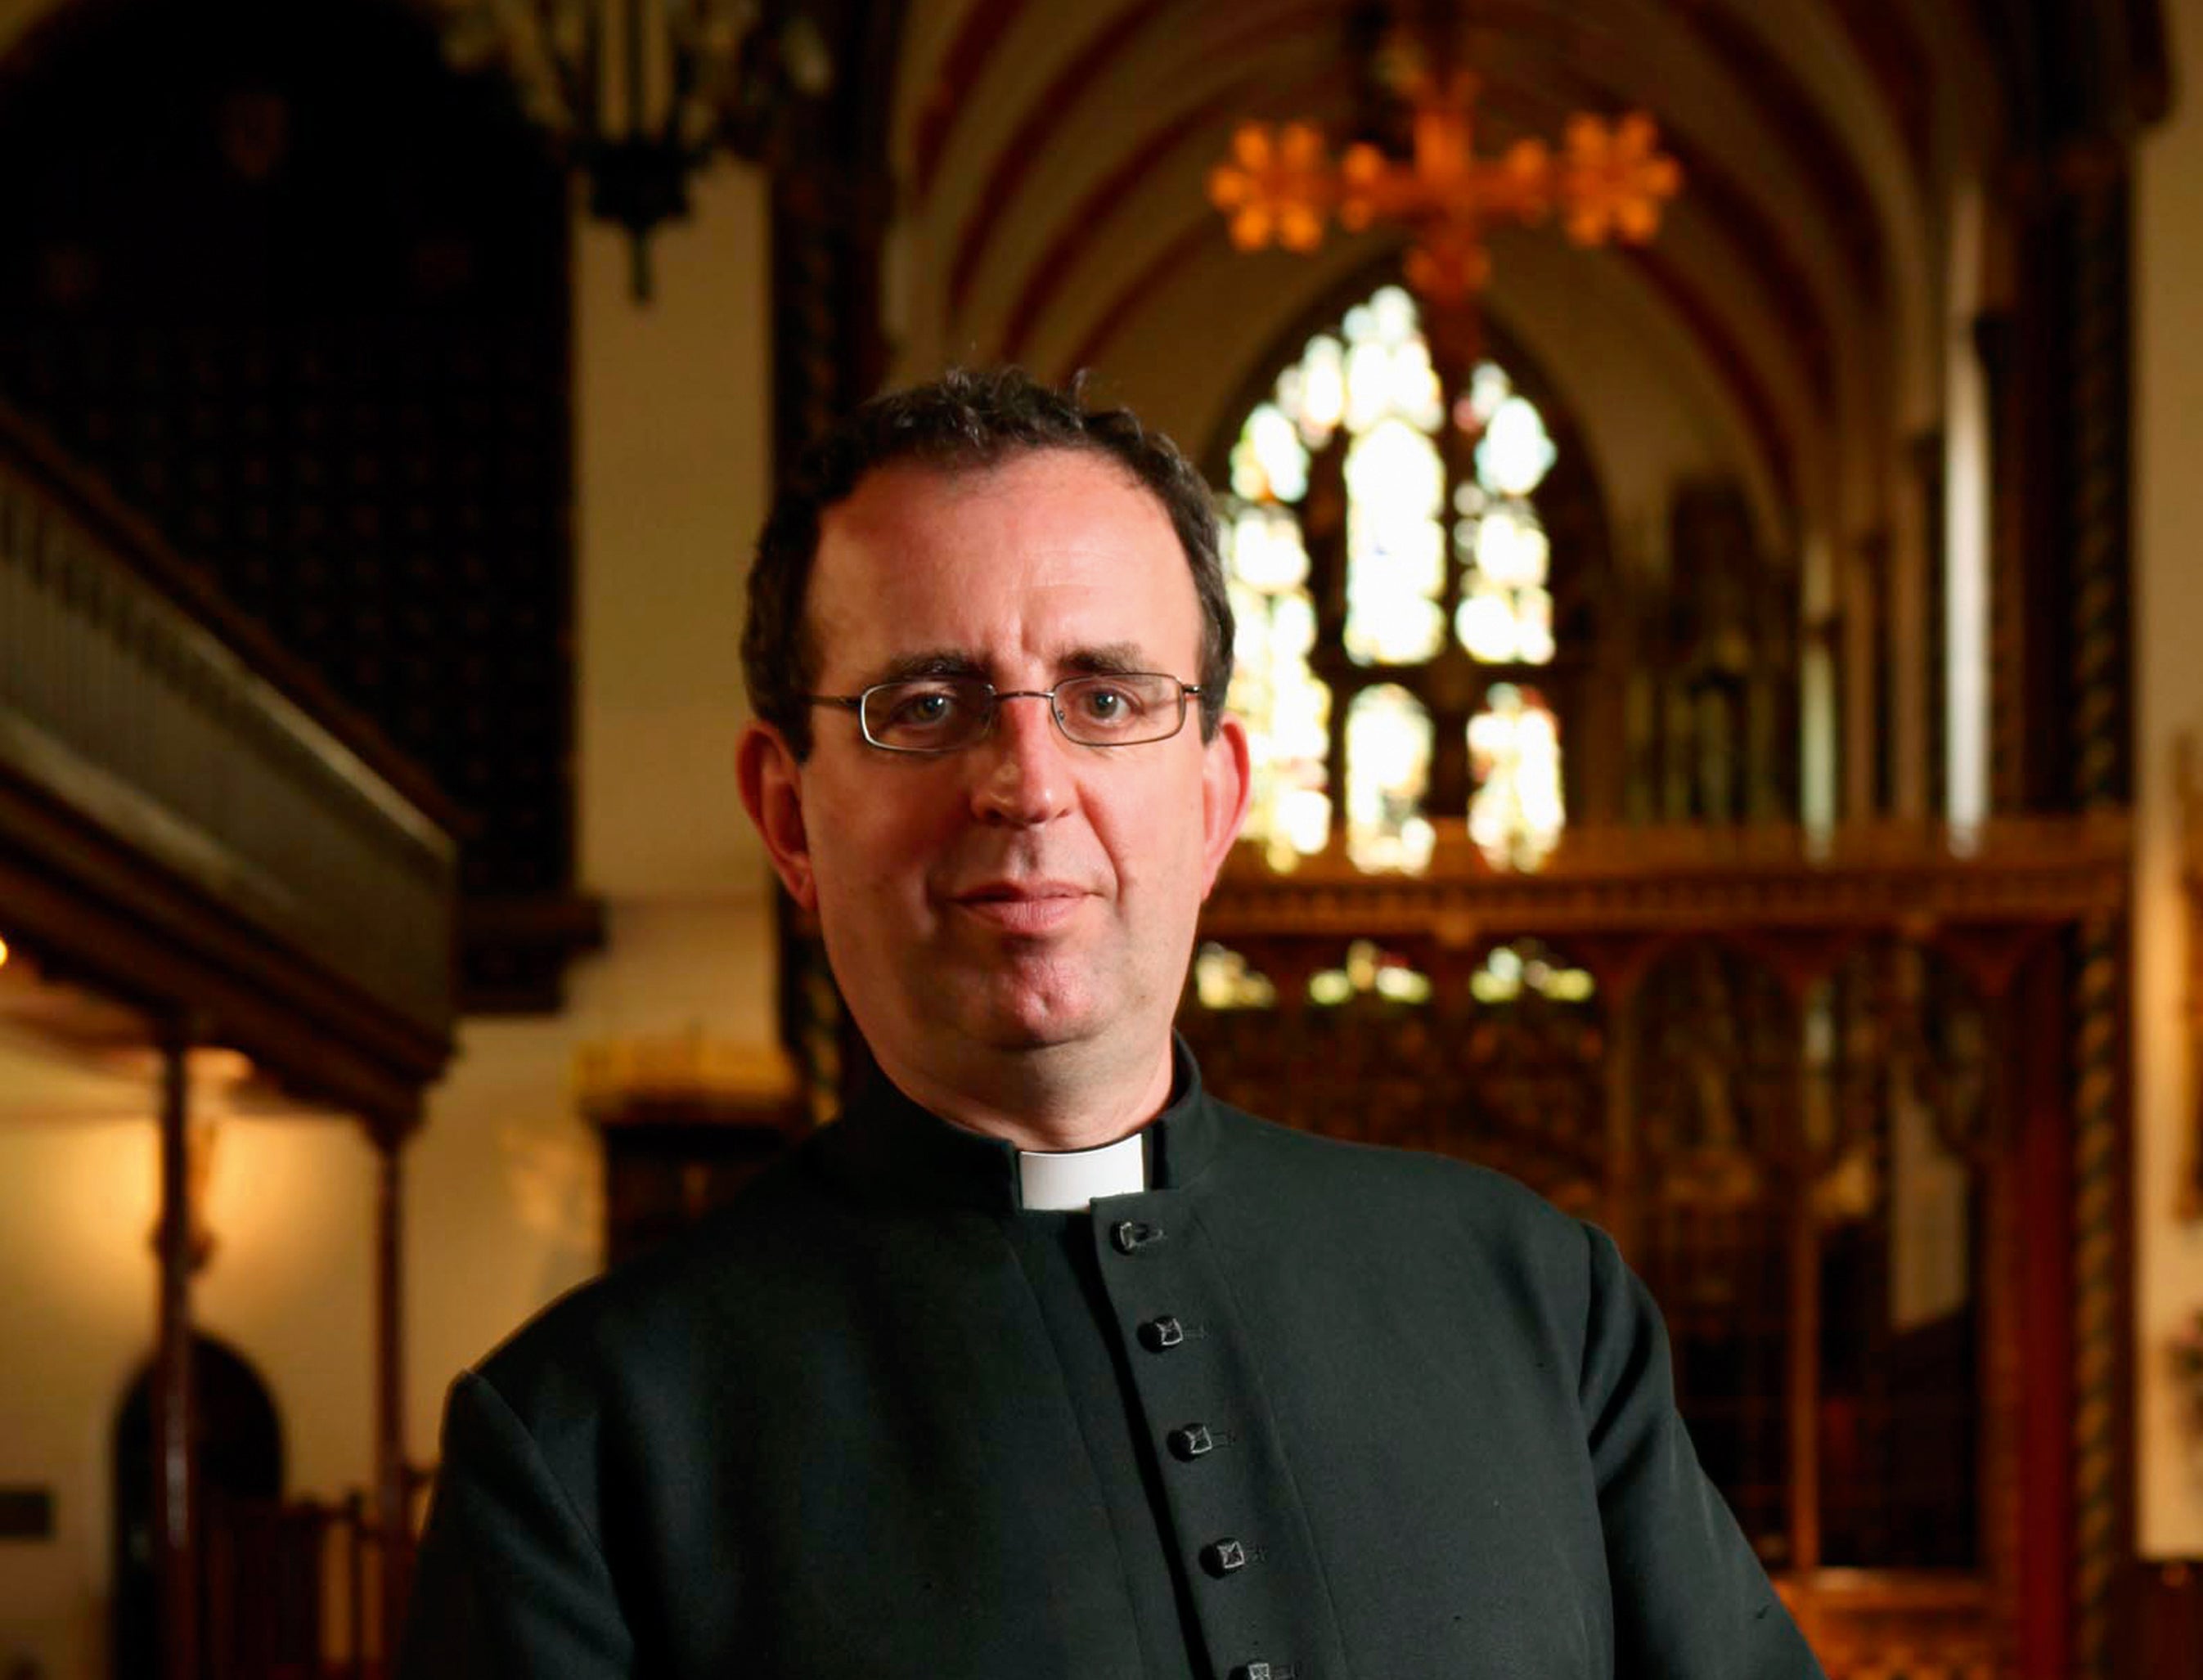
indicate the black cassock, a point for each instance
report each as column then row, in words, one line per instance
column 1340, row 1411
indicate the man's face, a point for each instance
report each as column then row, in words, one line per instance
column 1026, row 893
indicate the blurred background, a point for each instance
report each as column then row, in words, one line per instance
column 1712, row 494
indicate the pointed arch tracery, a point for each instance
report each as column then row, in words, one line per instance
column 1402, row 606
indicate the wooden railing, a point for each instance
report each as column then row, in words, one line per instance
column 135, row 699
column 294, row 1590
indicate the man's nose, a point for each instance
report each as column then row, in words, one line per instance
column 1024, row 775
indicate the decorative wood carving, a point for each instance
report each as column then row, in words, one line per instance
column 2017, row 871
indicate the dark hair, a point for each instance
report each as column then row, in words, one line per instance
column 965, row 420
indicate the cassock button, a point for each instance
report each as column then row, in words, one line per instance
column 1158, row 1334
column 1130, row 1234
column 1221, row 1558
column 1192, row 1440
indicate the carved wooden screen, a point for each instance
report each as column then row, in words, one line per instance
column 1494, row 1059
column 1792, row 1135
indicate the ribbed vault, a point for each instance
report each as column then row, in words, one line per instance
column 1788, row 329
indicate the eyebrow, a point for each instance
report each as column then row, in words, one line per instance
column 930, row 662
column 1110, row 659
column 1105, row 659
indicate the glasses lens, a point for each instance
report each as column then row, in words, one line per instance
column 927, row 714
column 1120, row 711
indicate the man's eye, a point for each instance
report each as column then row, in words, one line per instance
column 927, row 708
column 1109, row 705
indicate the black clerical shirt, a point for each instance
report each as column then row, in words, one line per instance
column 1301, row 1408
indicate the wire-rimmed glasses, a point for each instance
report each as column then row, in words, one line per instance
column 945, row 713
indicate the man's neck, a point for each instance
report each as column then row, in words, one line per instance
column 1041, row 1100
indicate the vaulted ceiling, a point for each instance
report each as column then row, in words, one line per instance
column 1788, row 327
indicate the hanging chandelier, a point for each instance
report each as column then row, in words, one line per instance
column 641, row 94
column 1607, row 181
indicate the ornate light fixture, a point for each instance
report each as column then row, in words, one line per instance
column 640, row 94
column 1608, row 181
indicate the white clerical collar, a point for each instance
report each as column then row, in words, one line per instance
column 1065, row 1183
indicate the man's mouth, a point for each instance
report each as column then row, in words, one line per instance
column 1021, row 906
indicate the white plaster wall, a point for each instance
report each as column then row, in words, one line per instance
column 76, row 1315
column 2169, row 695
column 291, row 1204
column 672, row 416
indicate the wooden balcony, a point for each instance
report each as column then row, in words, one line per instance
column 190, row 821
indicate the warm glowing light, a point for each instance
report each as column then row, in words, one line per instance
column 1223, row 979
column 1269, row 462
column 1510, row 970
column 1388, row 768
column 1615, row 180
column 1510, row 550
column 1514, row 748
column 1267, row 553
column 1286, row 710
column 1395, row 545
column 1321, row 387
column 1276, row 188
column 1516, row 453
column 1369, row 971
column 1506, row 613
column 1609, row 181
column 3, row 953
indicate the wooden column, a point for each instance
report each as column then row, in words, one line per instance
column 1805, row 1378
column 392, row 1517
column 176, row 1565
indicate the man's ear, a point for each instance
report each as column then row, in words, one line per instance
column 772, row 780
column 1226, row 780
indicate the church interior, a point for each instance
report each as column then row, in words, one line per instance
column 1709, row 491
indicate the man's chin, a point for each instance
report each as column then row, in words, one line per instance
column 1015, row 1019
column 1032, row 1031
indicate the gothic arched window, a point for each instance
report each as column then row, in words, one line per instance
column 1391, row 576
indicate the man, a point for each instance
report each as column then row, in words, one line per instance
column 1041, row 1361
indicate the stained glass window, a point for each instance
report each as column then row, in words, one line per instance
column 1506, row 612
column 1388, row 769
column 1369, row 971
column 1286, row 708
column 1395, row 545
column 1223, row 979
column 1514, row 748
column 1429, row 553
column 1525, row 966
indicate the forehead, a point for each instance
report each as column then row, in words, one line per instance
column 1033, row 558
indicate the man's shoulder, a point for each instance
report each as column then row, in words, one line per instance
column 1443, row 1239
column 652, row 1317
column 1381, row 1185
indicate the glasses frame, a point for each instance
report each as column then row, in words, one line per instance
column 855, row 703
